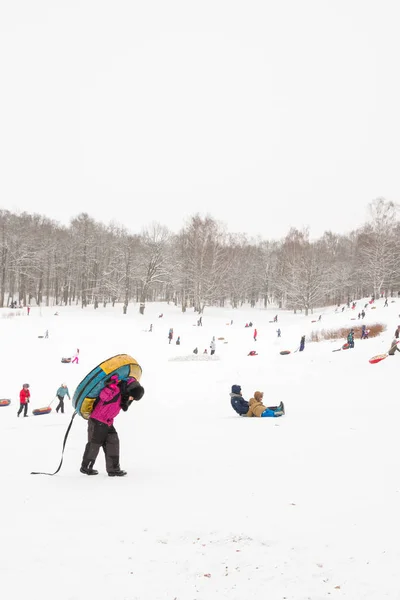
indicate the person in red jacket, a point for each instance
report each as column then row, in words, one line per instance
column 255, row 335
column 24, row 396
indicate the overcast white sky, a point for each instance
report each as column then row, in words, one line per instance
column 264, row 114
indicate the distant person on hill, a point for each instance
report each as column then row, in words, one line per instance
column 350, row 338
column 251, row 324
column 170, row 335
column 24, row 399
column 275, row 318
column 178, row 340
column 75, row 358
column 61, row 393
column 151, row 327
column 363, row 313
column 302, row 343
column 195, row 351
column 255, row 335
column 393, row 348
column 386, row 303
column 258, row 409
column 212, row 346
column 396, row 333
column 278, row 331
column 363, row 332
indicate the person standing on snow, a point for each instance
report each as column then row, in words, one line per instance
column 212, row 346
column 24, row 396
column 302, row 343
column 61, row 393
column 255, row 335
column 75, row 358
column 278, row 331
column 170, row 335
column 101, row 431
column 350, row 338
column 393, row 348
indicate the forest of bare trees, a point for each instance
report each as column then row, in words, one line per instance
column 88, row 263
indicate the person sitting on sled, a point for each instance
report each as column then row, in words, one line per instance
column 238, row 403
column 258, row 409
column 101, row 432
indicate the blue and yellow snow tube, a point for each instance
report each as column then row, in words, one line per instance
column 89, row 388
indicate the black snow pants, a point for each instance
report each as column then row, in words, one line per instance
column 100, row 435
column 21, row 408
column 60, row 405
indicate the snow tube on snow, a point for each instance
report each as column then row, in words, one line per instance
column 41, row 411
column 345, row 346
column 284, row 352
column 66, row 360
column 89, row 388
column 5, row 402
column 377, row 358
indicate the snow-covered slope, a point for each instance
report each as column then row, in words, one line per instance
column 214, row 506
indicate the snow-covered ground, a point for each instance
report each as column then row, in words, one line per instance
column 214, row 506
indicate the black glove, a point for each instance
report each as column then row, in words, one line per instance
column 125, row 403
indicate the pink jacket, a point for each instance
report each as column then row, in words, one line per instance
column 109, row 403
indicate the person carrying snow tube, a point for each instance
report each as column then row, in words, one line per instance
column 239, row 404
column 116, row 395
column 258, row 409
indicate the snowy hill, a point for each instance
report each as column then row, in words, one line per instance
column 214, row 506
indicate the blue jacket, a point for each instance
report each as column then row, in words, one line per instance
column 63, row 391
column 239, row 404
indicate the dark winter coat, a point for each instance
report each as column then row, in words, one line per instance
column 239, row 404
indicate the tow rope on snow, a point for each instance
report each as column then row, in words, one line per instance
column 62, row 453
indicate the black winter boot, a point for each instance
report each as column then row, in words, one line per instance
column 88, row 469
column 119, row 473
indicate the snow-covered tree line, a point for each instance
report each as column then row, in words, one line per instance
column 89, row 263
